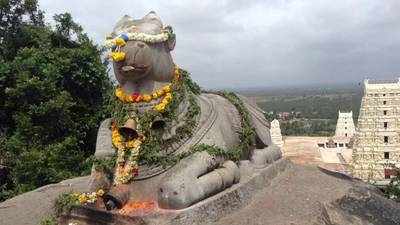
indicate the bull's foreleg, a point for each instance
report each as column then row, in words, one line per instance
column 263, row 157
column 196, row 178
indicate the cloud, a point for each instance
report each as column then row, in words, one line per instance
column 264, row 43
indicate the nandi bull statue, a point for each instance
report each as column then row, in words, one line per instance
column 171, row 142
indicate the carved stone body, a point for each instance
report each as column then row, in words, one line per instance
column 199, row 175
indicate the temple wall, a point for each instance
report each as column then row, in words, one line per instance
column 377, row 143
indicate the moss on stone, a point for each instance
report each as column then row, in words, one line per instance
column 65, row 203
column 247, row 134
column 49, row 220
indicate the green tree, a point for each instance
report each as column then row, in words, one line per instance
column 15, row 18
column 53, row 92
column 392, row 190
column 270, row 116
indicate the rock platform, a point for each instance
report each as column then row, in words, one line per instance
column 299, row 195
column 206, row 211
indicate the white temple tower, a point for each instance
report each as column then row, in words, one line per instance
column 276, row 135
column 377, row 144
column 345, row 125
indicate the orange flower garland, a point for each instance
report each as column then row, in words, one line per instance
column 164, row 92
column 136, row 97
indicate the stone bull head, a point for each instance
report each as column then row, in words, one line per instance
column 146, row 66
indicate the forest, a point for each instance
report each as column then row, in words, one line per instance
column 53, row 95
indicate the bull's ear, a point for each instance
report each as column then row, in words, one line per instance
column 172, row 38
column 171, row 43
column 123, row 23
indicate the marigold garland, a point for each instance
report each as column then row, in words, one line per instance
column 128, row 150
column 136, row 97
column 164, row 92
column 126, row 169
column 85, row 198
column 117, row 56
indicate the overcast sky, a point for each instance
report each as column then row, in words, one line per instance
column 247, row 43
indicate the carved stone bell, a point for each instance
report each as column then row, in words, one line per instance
column 129, row 130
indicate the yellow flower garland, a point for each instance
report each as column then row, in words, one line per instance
column 85, row 198
column 126, row 169
column 164, row 92
column 164, row 102
column 118, row 55
column 123, row 97
column 118, row 141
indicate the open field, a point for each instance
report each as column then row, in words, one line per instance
column 302, row 150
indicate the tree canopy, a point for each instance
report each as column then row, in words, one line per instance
column 53, row 95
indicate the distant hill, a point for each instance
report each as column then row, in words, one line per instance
column 313, row 102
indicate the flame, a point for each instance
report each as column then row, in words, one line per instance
column 137, row 207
